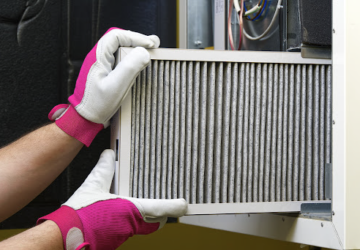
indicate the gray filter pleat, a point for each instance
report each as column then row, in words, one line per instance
column 264, row 166
column 315, row 166
column 290, row 144
column 285, row 133
column 183, row 84
column 279, row 157
column 245, row 134
column 269, row 75
column 255, row 178
column 147, row 133
column 189, row 129
column 210, row 135
column 227, row 132
column 328, row 115
column 202, row 134
column 171, row 143
column 239, row 137
column 195, row 131
column 249, row 169
column 137, row 138
column 165, row 129
column 142, row 133
column 176, row 132
column 218, row 132
column 233, row 144
column 322, row 134
column 302, row 166
column 309, row 123
column 159, row 136
column 274, row 128
column 154, row 100
column 295, row 177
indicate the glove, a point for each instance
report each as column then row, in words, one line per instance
column 99, row 89
column 96, row 219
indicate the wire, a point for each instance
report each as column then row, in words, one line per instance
column 231, row 40
column 278, row 7
column 257, row 16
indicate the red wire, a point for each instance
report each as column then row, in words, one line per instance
column 231, row 40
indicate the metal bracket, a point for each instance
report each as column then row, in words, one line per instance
column 315, row 52
column 316, row 210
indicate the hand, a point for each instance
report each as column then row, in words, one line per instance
column 93, row 217
column 99, row 88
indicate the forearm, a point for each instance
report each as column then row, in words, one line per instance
column 30, row 164
column 44, row 236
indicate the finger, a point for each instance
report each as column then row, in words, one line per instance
column 121, row 79
column 160, row 207
column 100, row 178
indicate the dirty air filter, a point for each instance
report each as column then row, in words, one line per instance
column 230, row 132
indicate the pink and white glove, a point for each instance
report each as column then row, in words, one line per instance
column 99, row 88
column 95, row 219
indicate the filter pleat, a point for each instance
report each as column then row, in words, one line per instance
column 195, row 132
column 240, row 131
column 274, row 130
column 218, row 132
column 253, row 193
column 142, row 79
column 302, row 167
column 153, row 136
column 290, row 145
column 147, row 124
column 210, row 135
column 176, row 172
column 309, row 133
column 322, row 123
column 226, row 132
column 233, row 142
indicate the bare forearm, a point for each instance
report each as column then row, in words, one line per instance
column 45, row 236
column 31, row 163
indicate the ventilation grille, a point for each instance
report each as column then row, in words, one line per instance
column 214, row 132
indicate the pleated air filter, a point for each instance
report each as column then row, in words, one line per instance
column 231, row 132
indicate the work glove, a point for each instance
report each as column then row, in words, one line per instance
column 99, row 88
column 95, row 219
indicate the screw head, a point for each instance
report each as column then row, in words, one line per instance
column 333, row 30
column 322, row 225
column 333, row 122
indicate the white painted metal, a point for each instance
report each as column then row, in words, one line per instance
column 228, row 56
column 251, row 207
column 286, row 228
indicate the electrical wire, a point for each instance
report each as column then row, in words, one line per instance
column 240, row 14
column 259, row 13
column 278, row 7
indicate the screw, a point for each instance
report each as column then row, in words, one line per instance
column 322, row 225
column 197, row 43
column 333, row 122
column 333, row 213
column 333, row 30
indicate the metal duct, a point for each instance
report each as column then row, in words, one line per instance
column 224, row 132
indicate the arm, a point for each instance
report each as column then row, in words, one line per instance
column 31, row 163
column 96, row 219
column 44, row 236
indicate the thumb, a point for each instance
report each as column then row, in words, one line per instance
column 100, row 178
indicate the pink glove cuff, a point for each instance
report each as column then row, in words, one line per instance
column 78, row 127
column 66, row 219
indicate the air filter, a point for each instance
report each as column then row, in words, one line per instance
column 231, row 132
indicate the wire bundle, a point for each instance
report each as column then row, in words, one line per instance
column 256, row 11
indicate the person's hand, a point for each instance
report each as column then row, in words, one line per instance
column 99, row 88
column 95, row 218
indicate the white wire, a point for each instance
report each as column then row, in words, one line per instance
column 254, row 9
column 278, row 7
column 237, row 6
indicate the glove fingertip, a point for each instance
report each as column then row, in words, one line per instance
column 155, row 40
